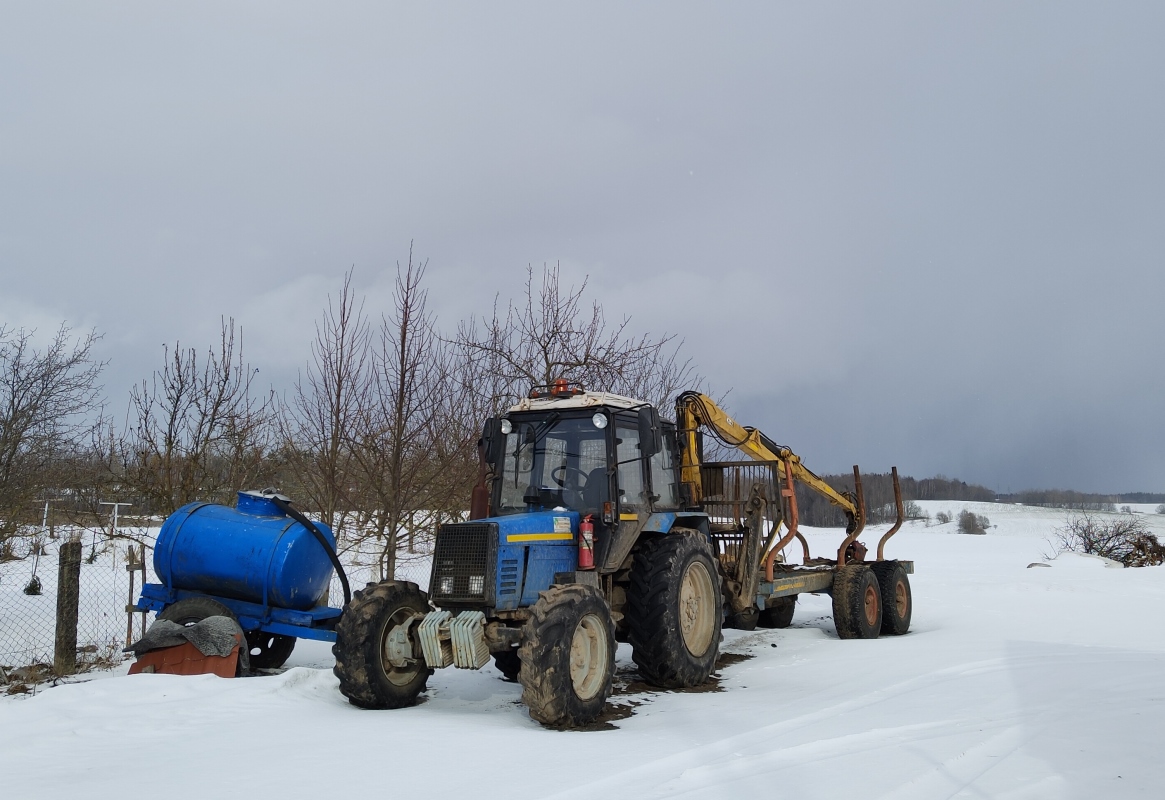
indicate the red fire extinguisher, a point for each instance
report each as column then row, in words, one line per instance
column 586, row 543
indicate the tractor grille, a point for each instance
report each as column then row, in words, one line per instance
column 463, row 564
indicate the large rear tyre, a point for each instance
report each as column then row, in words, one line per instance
column 857, row 602
column 567, row 656
column 675, row 610
column 778, row 612
column 269, row 650
column 378, row 658
column 897, row 602
column 193, row 610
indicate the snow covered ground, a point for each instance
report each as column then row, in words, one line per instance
column 1013, row 683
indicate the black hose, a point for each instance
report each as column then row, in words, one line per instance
column 286, row 508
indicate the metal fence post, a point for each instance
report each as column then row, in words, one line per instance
column 68, row 597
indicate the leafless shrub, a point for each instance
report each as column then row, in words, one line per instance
column 1126, row 509
column 969, row 522
column 1161, row 509
column 942, row 518
column 1125, row 539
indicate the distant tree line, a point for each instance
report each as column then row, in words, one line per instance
column 878, row 488
column 1065, row 498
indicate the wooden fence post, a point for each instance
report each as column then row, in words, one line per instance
column 68, row 600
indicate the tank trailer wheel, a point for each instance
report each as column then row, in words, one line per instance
column 857, row 602
column 675, row 610
column 508, row 664
column 778, row 612
column 567, row 656
column 378, row 660
column 897, row 602
column 193, row 610
column 269, row 650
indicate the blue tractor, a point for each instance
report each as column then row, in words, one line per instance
column 596, row 521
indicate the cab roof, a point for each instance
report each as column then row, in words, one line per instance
column 581, row 400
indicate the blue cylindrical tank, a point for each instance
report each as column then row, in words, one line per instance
column 253, row 552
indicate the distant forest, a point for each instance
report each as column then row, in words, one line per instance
column 816, row 511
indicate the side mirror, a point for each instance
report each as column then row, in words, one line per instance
column 650, row 435
column 491, row 439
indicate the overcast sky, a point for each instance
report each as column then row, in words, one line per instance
column 923, row 234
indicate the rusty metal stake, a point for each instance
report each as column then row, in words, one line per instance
column 859, row 523
column 898, row 506
column 790, row 493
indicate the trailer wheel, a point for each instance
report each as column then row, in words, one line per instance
column 778, row 612
column 364, row 665
column 269, row 650
column 675, row 610
column 744, row 621
column 567, row 656
column 857, row 602
column 193, row 610
column 897, row 602
column 508, row 664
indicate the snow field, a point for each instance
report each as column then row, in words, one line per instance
column 1013, row 683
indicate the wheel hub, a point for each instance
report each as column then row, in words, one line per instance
column 696, row 608
column 588, row 650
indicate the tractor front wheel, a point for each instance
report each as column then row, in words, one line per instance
column 567, row 656
column 378, row 659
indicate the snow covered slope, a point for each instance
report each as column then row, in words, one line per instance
column 1014, row 682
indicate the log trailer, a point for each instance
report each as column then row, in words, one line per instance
column 595, row 522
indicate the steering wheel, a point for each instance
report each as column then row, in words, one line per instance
column 560, row 479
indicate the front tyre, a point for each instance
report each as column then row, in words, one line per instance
column 567, row 656
column 378, row 659
column 675, row 610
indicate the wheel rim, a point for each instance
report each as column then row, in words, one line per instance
column 697, row 609
column 901, row 601
column 871, row 605
column 588, row 657
column 398, row 676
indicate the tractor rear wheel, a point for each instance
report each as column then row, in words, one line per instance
column 857, row 602
column 897, row 603
column 778, row 612
column 193, row 610
column 675, row 610
column 269, row 650
column 378, row 659
column 567, row 656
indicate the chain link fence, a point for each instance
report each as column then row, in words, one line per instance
column 28, row 605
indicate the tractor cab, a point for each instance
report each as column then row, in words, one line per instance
column 599, row 454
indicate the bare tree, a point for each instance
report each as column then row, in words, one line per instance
column 48, row 401
column 318, row 424
column 552, row 333
column 406, row 442
column 198, row 432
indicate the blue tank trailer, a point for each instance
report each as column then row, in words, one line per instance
column 262, row 566
column 594, row 522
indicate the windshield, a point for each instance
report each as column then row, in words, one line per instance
column 554, row 462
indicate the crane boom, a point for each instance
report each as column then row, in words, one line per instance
column 694, row 410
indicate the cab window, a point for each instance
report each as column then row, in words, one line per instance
column 632, row 492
